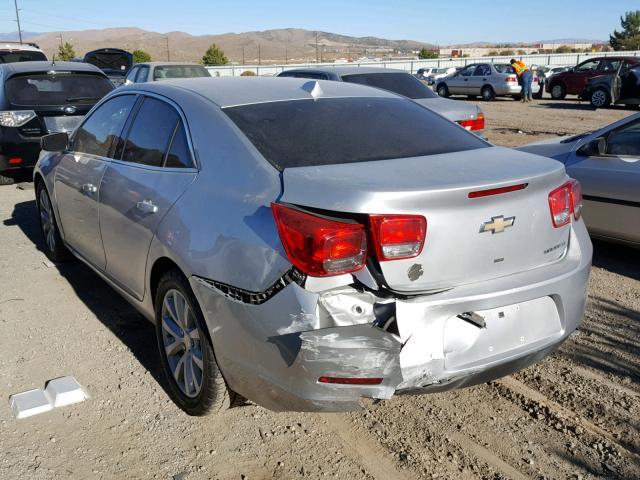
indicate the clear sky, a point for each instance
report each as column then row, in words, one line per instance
column 438, row 22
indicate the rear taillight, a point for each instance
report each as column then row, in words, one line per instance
column 474, row 124
column 511, row 79
column 564, row 202
column 398, row 236
column 319, row 246
column 16, row 118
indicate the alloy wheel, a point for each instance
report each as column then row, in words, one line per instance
column 182, row 343
column 598, row 98
column 557, row 91
column 46, row 220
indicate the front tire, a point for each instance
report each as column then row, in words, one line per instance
column 487, row 94
column 558, row 92
column 600, row 98
column 196, row 384
column 54, row 247
column 443, row 90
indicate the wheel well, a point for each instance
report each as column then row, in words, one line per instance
column 36, row 181
column 160, row 267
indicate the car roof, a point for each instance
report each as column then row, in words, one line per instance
column 233, row 91
column 37, row 67
column 162, row 64
column 32, row 47
column 346, row 70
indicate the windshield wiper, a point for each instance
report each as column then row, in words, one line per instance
column 79, row 99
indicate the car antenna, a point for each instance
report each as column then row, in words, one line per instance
column 53, row 60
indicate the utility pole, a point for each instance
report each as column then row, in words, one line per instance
column 168, row 55
column 243, row 56
column 317, row 53
column 15, row 2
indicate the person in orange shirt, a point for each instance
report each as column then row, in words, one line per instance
column 525, row 77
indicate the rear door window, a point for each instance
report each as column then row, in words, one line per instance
column 401, row 83
column 346, row 130
column 59, row 88
column 100, row 132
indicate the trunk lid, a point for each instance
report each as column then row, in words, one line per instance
column 456, row 252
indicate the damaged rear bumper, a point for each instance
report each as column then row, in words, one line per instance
column 274, row 353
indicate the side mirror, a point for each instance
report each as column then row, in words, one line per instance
column 55, row 142
column 595, row 148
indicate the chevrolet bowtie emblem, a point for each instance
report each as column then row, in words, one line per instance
column 497, row 224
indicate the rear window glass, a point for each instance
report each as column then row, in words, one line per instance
column 400, row 83
column 114, row 62
column 21, row 56
column 61, row 88
column 503, row 68
column 301, row 133
column 179, row 71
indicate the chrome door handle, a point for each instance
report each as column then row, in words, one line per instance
column 89, row 188
column 147, row 206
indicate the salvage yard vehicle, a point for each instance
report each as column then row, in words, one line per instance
column 20, row 52
column 607, row 164
column 155, row 71
column 487, row 80
column 622, row 87
column 114, row 62
column 400, row 82
column 37, row 98
column 574, row 80
column 304, row 244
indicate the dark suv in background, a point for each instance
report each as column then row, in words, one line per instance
column 574, row 80
column 37, row 98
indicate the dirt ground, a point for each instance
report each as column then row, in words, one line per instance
column 576, row 415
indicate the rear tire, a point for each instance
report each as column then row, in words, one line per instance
column 600, row 98
column 558, row 91
column 487, row 93
column 443, row 90
column 196, row 384
column 54, row 247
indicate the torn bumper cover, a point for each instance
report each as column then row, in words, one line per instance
column 276, row 352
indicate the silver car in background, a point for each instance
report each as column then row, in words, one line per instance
column 304, row 244
column 487, row 80
column 607, row 164
column 400, row 82
column 156, row 71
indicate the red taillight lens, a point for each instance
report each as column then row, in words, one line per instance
column 15, row 160
column 565, row 201
column 398, row 236
column 511, row 79
column 475, row 124
column 318, row 246
column 351, row 381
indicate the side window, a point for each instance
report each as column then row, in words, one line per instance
column 287, row 74
column 625, row 140
column 468, row 71
column 588, row 66
column 150, row 133
column 482, row 71
column 143, row 73
column 609, row 65
column 179, row 156
column 131, row 76
column 103, row 128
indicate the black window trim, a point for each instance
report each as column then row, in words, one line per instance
column 127, row 127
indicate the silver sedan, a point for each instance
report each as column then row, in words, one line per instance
column 607, row 164
column 304, row 244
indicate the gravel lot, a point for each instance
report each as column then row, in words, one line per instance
column 575, row 415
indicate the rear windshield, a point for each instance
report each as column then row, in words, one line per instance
column 300, row 133
column 10, row 56
column 503, row 68
column 179, row 71
column 110, row 61
column 400, row 83
column 61, row 88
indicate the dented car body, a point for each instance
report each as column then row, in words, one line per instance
column 342, row 242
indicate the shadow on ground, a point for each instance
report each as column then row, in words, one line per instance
column 616, row 258
column 131, row 328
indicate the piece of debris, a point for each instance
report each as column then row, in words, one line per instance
column 29, row 403
column 65, row 391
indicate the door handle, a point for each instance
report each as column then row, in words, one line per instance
column 89, row 188
column 147, row 206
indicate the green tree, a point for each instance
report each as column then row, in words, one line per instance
column 140, row 56
column 424, row 53
column 629, row 37
column 66, row 52
column 248, row 73
column 214, row 56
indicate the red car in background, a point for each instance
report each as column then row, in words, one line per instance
column 573, row 81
